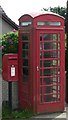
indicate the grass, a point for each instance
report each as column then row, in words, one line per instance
column 22, row 114
column 14, row 114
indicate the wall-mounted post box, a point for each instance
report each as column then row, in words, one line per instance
column 10, row 67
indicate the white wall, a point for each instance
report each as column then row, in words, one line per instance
column 6, row 27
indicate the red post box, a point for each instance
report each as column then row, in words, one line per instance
column 10, row 67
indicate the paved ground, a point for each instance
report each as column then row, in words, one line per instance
column 55, row 116
column 67, row 111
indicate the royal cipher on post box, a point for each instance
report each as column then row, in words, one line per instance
column 10, row 67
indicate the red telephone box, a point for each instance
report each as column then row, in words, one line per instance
column 41, row 62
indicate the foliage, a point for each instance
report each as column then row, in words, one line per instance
column 5, row 110
column 9, row 43
column 22, row 114
column 59, row 10
column 14, row 114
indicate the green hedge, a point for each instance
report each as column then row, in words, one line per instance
column 9, row 43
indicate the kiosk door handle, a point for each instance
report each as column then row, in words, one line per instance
column 37, row 68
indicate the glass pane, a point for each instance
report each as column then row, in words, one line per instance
column 50, row 36
column 52, row 94
column 48, row 89
column 58, row 97
column 50, row 72
column 54, row 36
column 58, row 72
column 40, row 72
column 58, row 54
column 40, row 54
column 41, row 23
column 25, row 54
column 58, row 62
column 58, row 37
column 58, row 46
column 24, row 36
column 47, row 72
column 50, row 54
column 55, row 23
column 58, row 79
column 25, row 78
column 25, row 71
column 58, row 88
column 25, row 62
column 47, row 63
column 55, row 80
column 47, row 45
column 26, row 23
column 25, row 45
column 47, row 81
column 54, row 71
column 40, row 81
column 52, row 80
column 51, row 45
column 50, row 98
column 50, row 63
column 54, row 63
column 40, row 63
column 40, row 37
column 47, row 54
column 54, row 46
column 41, row 47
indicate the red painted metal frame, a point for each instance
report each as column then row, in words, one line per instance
column 52, row 106
column 31, row 88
